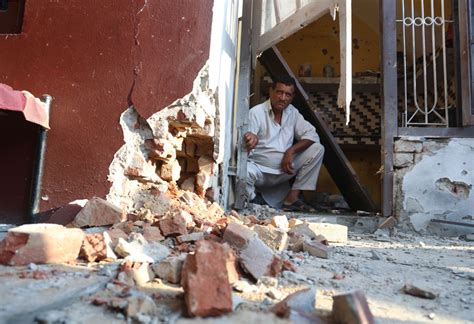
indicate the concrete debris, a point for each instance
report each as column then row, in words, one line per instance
column 317, row 249
column 40, row 243
column 281, row 222
column 255, row 257
column 176, row 223
column 135, row 273
column 170, row 268
column 139, row 250
column 418, row 292
column 332, row 232
column 389, row 223
column 191, row 237
column 205, row 281
column 98, row 212
column 351, row 308
column 140, row 305
column 275, row 238
column 298, row 307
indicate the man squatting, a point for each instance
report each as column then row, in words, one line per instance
column 282, row 145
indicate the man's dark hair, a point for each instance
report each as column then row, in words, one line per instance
column 285, row 79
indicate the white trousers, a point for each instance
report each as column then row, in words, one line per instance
column 275, row 187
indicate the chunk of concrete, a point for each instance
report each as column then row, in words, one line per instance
column 170, row 268
column 275, row 238
column 351, row 308
column 332, row 232
column 98, row 212
column 281, row 222
column 299, row 307
column 139, row 250
column 255, row 256
column 205, row 281
column 191, row 237
column 317, row 249
column 40, row 243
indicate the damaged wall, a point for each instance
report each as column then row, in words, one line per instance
column 95, row 58
column 434, row 180
column 177, row 146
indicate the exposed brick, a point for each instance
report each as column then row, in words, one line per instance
column 205, row 281
column 94, row 248
column 40, row 243
column 170, row 171
column 351, row 308
column 98, row 212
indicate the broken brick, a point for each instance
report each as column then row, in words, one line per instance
column 66, row 214
column 40, row 243
column 255, row 256
column 170, row 171
column 418, row 292
column 152, row 233
column 98, row 212
column 317, row 249
column 351, row 308
column 175, row 223
column 205, row 281
column 95, row 248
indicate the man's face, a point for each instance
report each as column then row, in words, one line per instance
column 281, row 96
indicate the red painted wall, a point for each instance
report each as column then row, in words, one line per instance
column 94, row 58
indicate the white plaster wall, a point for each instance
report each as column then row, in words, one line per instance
column 424, row 195
column 222, row 65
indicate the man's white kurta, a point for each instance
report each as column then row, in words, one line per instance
column 274, row 139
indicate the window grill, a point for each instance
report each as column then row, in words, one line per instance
column 428, row 82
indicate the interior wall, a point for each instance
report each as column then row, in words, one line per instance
column 96, row 58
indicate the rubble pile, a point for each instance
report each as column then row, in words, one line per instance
column 194, row 247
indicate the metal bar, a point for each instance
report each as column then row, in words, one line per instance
column 442, row 221
column 443, row 35
column 334, row 158
column 37, row 179
column 388, row 99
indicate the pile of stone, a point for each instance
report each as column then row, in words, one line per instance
column 194, row 244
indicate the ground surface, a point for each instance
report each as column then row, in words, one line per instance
column 378, row 265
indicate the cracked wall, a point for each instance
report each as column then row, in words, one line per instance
column 433, row 180
column 87, row 55
column 175, row 147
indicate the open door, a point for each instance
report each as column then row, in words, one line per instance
column 272, row 21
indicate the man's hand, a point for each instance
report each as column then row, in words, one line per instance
column 251, row 140
column 287, row 162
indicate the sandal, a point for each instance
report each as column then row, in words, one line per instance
column 298, row 206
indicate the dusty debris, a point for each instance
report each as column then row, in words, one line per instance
column 351, row 308
column 332, row 232
column 418, row 292
column 170, row 268
column 299, row 307
column 276, row 238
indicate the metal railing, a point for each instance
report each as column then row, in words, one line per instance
column 425, row 72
